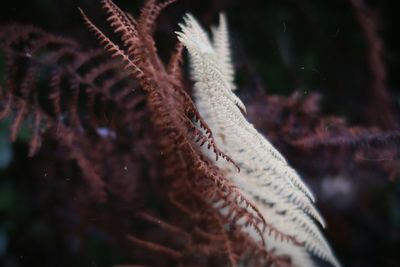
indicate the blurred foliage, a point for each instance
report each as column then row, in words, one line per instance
column 279, row 47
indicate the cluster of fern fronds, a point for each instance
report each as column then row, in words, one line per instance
column 123, row 127
column 129, row 127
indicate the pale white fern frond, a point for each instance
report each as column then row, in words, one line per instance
column 286, row 216
column 220, row 37
column 246, row 139
column 279, row 192
column 222, row 63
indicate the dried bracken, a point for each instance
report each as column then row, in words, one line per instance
column 123, row 149
column 173, row 111
column 83, row 102
column 54, row 84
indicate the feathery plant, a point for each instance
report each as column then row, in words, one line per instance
column 203, row 187
column 81, row 104
column 280, row 194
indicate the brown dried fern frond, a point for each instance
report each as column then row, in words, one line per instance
column 91, row 106
column 58, row 87
column 173, row 114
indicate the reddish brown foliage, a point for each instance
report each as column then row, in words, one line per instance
column 91, row 106
column 130, row 131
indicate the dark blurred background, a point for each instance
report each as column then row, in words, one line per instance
column 279, row 47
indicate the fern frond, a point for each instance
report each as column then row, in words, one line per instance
column 283, row 198
column 175, row 118
column 49, row 78
column 220, row 36
column 112, row 48
column 174, row 65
